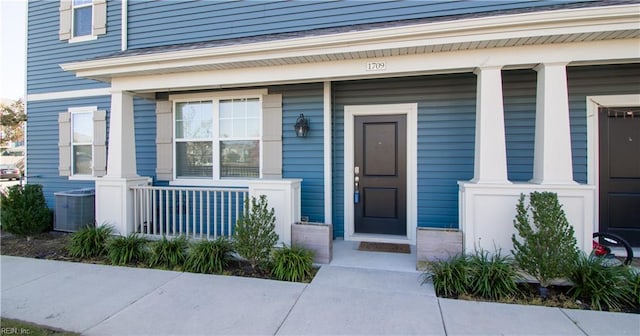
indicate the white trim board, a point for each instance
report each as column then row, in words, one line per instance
column 593, row 140
column 68, row 94
column 411, row 111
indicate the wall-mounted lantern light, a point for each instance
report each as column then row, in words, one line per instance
column 301, row 126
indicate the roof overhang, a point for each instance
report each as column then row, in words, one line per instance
column 530, row 29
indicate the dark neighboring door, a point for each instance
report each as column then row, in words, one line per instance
column 620, row 172
column 381, row 167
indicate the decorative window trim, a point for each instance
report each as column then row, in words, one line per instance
column 66, row 143
column 270, row 141
column 215, row 138
column 98, row 21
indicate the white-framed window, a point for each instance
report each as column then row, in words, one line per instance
column 82, row 133
column 82, row 20
column 218, row 138
column 82, row 143
column 82, row 17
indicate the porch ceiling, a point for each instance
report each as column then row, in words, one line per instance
column 543, row 28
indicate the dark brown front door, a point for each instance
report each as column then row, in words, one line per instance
column 380, row 167
column 620, row 172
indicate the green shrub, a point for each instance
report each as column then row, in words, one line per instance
column 127, row 250
column 548, row 248
column 491, row 276
column 255, row 234
column 603, row 286
column 209, row 256
column 24, row 210
column 168, row 253
column 90, row 241
column 451, row 278
column 293, row 263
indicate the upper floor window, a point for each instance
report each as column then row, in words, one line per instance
column 82, row 20
column 218, row 138
column 82, row 17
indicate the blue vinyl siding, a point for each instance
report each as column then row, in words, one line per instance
column 45, row 52
column 519, row 97
column 446, row 134
column 304, row 157
column 158, row 23
column 145, row 133
column 42, row 144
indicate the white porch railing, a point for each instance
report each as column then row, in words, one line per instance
column 192, row 212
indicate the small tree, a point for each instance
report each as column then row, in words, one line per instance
column 12, row 118
column 255, row 233
column 548, row 248
column 24, row 210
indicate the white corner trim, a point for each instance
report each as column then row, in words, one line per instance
column 124, row 19
column 328, row 162
column 68, row 94
column 411, row 111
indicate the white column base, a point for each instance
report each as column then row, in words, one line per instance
column 487, row 213
column 284, row 197
column 114, row 202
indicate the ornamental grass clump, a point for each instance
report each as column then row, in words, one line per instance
column 90, row 241
column 451, row 278
column 293, row 263
column 24, row 211
column 209, row 256
column 255, row 234
column 492, row 276
column 605, row 287
column 168, row 253
column 127, row 250
column 546, row 248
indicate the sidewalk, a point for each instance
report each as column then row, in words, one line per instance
column 108, row 300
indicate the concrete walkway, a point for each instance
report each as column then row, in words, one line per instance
column 108, row 300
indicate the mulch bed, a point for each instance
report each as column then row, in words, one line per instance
column 53, row 246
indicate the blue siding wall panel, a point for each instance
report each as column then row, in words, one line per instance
column 519, row 92
column 304, row 157
column 157, row 23
column 42, row 144
column 45, row 52
column 145, row 133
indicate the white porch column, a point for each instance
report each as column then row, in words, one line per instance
column 114, row 199
column 552, row 156
column 490, row 154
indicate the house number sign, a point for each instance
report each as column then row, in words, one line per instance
column 376, row 66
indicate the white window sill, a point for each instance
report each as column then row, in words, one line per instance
column 210, row 183
column 82, row 178
column 84, row 38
